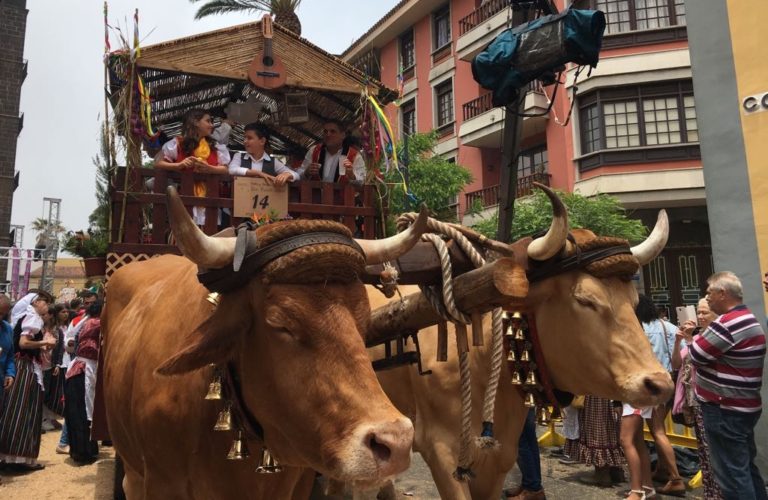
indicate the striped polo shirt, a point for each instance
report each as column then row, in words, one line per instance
column 729, row 358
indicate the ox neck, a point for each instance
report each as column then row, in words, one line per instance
column 545, row 389
column 246, row 420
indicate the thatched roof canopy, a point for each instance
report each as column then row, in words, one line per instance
column 210, row 71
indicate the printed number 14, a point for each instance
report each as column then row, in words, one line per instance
column 264, row 203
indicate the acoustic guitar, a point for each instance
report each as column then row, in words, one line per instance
column 266, row 70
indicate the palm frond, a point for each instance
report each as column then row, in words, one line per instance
column 213, row 7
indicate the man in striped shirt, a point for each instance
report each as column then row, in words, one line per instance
column 729, row 357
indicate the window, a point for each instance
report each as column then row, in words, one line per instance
column 632, row 15
column 444, row 103
column 532, row 161
column 621, row 124
column 441, row 27
column 408, row 118
column 407, row 51
column 627, row 117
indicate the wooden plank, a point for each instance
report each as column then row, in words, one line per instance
column 502, row 283
column 159, row 210
column 421, row 265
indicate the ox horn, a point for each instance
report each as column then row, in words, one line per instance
column 551, row 243
column 205, row 251
column 655, row 242
column 378, row 251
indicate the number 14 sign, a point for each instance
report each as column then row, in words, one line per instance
column 253, row 195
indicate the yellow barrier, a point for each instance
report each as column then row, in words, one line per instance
column 679, row 435
column 551, row 437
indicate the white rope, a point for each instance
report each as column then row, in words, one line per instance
column 486, row 439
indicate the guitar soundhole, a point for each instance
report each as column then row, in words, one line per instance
column 268, row 61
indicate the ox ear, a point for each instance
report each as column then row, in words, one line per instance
column 214, row 341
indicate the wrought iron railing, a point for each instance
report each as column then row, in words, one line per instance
column 480, row 14
column 477, row 106
column 480, row 105
column 489, row 196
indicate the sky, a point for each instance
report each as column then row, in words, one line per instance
column 62, row 97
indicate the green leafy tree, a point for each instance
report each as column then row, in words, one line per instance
column 601, row 214
column 284, row 10
column 433, row 180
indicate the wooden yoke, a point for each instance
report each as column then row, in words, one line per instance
column 501, row 283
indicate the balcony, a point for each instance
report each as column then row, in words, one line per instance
column 483, row 125
column 480, row 27
column 488, row 197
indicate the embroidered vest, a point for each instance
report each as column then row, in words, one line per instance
column 318, row 156
column 267, row 166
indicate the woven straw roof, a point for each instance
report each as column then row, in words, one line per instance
column 210, row 70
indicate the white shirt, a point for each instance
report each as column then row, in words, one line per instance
column 332, row 162
column 258, row 165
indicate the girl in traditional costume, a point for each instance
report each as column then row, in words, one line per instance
column 195, row 151
column 22, row 413
column 80, row 389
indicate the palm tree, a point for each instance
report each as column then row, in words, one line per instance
column 283, row 10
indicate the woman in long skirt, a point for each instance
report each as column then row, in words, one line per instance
column 79, row 389
column 22, row 411
column 599, row 441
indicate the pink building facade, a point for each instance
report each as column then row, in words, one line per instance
column 632, row 132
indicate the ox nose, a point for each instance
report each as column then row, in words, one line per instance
column 390, row 444
column 659, row 385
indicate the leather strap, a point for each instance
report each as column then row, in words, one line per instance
column 225, row 279
column 557, row 266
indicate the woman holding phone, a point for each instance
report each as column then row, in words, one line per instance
column 689, row 329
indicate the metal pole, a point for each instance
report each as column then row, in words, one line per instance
column 513, row 130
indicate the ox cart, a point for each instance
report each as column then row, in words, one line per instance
column 151, row 89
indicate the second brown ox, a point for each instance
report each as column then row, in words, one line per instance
column 591, row 341
column 292, row 334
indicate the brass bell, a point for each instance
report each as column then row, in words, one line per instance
column 516, row 380
column 239, row 450
column 525, row 356
column 510, row 332
column 543, row 416
column 268, row 464
column 530, row 380
column 516, row 316
column 224, row 421
column 214, row 298
column 519, row 334
column 511, row 356
column 530, row 400
column 214, row 388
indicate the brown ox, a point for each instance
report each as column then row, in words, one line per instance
column 292, row 334
column 592, row 344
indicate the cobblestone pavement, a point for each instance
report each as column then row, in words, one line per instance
column 560, row 482
column 62, row 479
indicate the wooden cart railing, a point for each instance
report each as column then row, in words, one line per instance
column 146, row 230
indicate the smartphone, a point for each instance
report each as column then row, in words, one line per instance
column 685, row 313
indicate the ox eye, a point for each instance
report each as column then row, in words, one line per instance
column 586, row 302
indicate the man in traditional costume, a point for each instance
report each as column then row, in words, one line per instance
column 333, row 160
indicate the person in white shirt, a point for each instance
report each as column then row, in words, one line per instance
column 255, row 162
column 331, row 160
